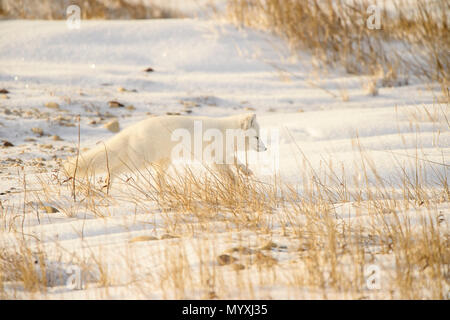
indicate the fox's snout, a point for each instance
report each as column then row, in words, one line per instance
column 260, row 146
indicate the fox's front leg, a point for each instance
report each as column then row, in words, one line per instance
column 225, row 171
column 232, row 161
column 244, row 169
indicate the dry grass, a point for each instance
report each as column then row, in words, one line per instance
column 237, row 237
column 23, row 266
column 92, row 9
column 413, row 38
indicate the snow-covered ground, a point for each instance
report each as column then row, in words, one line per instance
column 200, row 68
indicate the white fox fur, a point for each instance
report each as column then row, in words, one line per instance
column 150, row 142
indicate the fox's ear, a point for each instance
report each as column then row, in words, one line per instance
column 248, row 121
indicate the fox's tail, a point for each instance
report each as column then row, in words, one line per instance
column 93, row 161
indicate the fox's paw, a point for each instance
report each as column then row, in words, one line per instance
column 245, row 170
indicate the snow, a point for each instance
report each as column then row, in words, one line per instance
column 222, row 69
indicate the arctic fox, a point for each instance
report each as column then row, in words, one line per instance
column 156, row 141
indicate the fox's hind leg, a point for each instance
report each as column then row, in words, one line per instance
column 161, row 168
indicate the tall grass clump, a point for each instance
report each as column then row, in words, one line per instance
column 90, row 9
column 412, row 38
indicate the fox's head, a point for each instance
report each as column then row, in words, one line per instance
column 251, row 128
